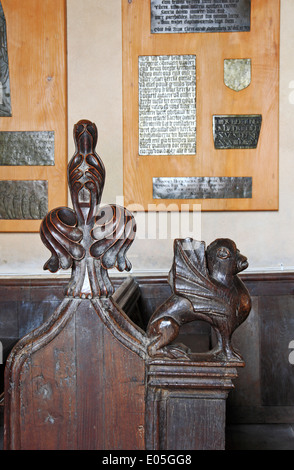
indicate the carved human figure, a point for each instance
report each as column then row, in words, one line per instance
column 205, row 287
column 88, row 238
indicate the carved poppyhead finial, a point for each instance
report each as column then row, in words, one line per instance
column 89, row 239
column 85, row 135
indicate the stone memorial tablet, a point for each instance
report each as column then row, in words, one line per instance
column 236, row 131
column 167, row 105
column 27, row 148
column 208, row 187
column 196, row 16
column 23, row 199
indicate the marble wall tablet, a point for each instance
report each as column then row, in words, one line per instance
column 236, row 131
column 27, row 148
column 207, row 187
column 23, row 199
column 194, row 16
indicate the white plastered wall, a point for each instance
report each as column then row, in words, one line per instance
column 95, row 93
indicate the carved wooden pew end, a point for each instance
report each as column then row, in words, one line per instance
column 92, row 376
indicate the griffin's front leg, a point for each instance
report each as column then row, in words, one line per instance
column 161, row 333
column 164, row 327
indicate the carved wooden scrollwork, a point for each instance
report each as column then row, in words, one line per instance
column 89, row 239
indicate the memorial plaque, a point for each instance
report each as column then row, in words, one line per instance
column 195, row 16
column 5, row 103
column 27, row 148
column 237, row 73
column 208, row 187
column 23, row 199
column 236, row 131
column 167, row 105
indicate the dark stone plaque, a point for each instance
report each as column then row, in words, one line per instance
column 27, row 148
column 236, row 131
column 207, row 187
column 23, row 199
column 5, row 103
column 196, row 16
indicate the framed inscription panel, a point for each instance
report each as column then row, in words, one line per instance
column 200, row 104
column 33, row 146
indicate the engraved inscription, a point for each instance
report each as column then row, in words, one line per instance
column 23, row 199
column 5, row 103
column 196, row 16
column 206, row 187
column 27, row 148
column 236, row 131
column 167, row 105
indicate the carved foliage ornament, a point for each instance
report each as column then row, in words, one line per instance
column 88, row 238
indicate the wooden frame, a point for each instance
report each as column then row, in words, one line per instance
column 261, row 45
column 36, row 41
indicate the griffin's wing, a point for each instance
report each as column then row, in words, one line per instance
column 114, row 232
column 191, row 280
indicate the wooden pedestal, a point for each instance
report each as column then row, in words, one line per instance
column 186, row 405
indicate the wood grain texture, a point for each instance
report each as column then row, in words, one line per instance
column 196, row 415
column 76, row 386
column 36, row 37
column 261, row 44
column 277, row 378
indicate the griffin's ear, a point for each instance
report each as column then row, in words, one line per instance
column 223, row 253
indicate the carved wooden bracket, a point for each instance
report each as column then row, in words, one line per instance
column 89, row 239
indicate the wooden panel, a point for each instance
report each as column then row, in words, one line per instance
column 197, row 415
column 47, row 381
column 261, row 45
column 277, row 330
column 91, row 401
column 264, row 389
column 78, row 386
column 124, row 402
column 36, row 37
column 111, row 391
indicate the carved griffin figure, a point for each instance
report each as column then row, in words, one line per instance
column 88, row 238
column 205, row 287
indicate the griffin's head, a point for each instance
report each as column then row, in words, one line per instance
column 224, row 260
